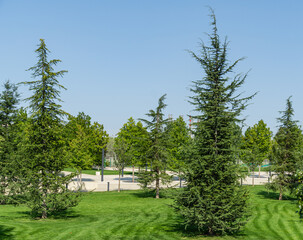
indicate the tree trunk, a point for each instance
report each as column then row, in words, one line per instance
column 44, row 210
column 133, row 173
column 253, row 178
column 180, row 178
column 281, row 194
column 44, row 205
column 259, row 170
column 119, row 182
column 81, row 179
column 157, row 184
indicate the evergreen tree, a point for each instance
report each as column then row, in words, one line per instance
column 43, row 143
column 213, row 200
column 9, row 100
column 157, row 152
column 286, row 156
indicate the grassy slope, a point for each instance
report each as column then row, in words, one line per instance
column 131, row 215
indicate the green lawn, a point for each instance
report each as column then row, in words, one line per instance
column 133, row 215
column 93, row 171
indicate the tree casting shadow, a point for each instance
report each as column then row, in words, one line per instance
column 274, row 195
column 64, row 214
column 177, row 226
column 6, row 232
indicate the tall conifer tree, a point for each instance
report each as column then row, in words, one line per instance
column 213, row 200
column 286, row 156
column 157, row 152
column 43, row 145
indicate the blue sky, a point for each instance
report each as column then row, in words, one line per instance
column 123, row 55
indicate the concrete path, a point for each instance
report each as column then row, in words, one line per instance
column 94, row 183
column 263, row 179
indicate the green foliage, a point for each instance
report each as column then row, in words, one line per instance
column 134, row 135
column 298, row 177
column 213, row 200
column 122, row 155
column 286, row 155
column 99, row 139
column 110, row 153
column 157, row 152
column 178, row 138
column 79, row 154
column 43, row 145
column 121, row 151
column 9, row 99
column 85, row 142
column 256, row 144
column 133, row 138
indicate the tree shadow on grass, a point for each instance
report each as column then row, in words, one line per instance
column 6, row 232
column 151, row 193
column 145, row 194
column 274, row 195
column 64, row 214
column 177, row 226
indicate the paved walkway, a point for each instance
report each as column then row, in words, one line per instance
column 110, row 182
column 263, row 179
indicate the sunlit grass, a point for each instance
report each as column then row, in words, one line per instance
column 137, row 215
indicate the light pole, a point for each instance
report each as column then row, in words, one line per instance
column 102, row 167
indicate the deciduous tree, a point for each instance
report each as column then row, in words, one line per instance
column 178, row 138
column 134, row 135
column 122, row 156
column 256, row 144
column 85, row 142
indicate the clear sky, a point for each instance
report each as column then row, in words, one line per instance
column 123, row 55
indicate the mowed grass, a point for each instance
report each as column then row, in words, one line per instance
column 136, row 215
column 93, row 171
column 271, row 218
